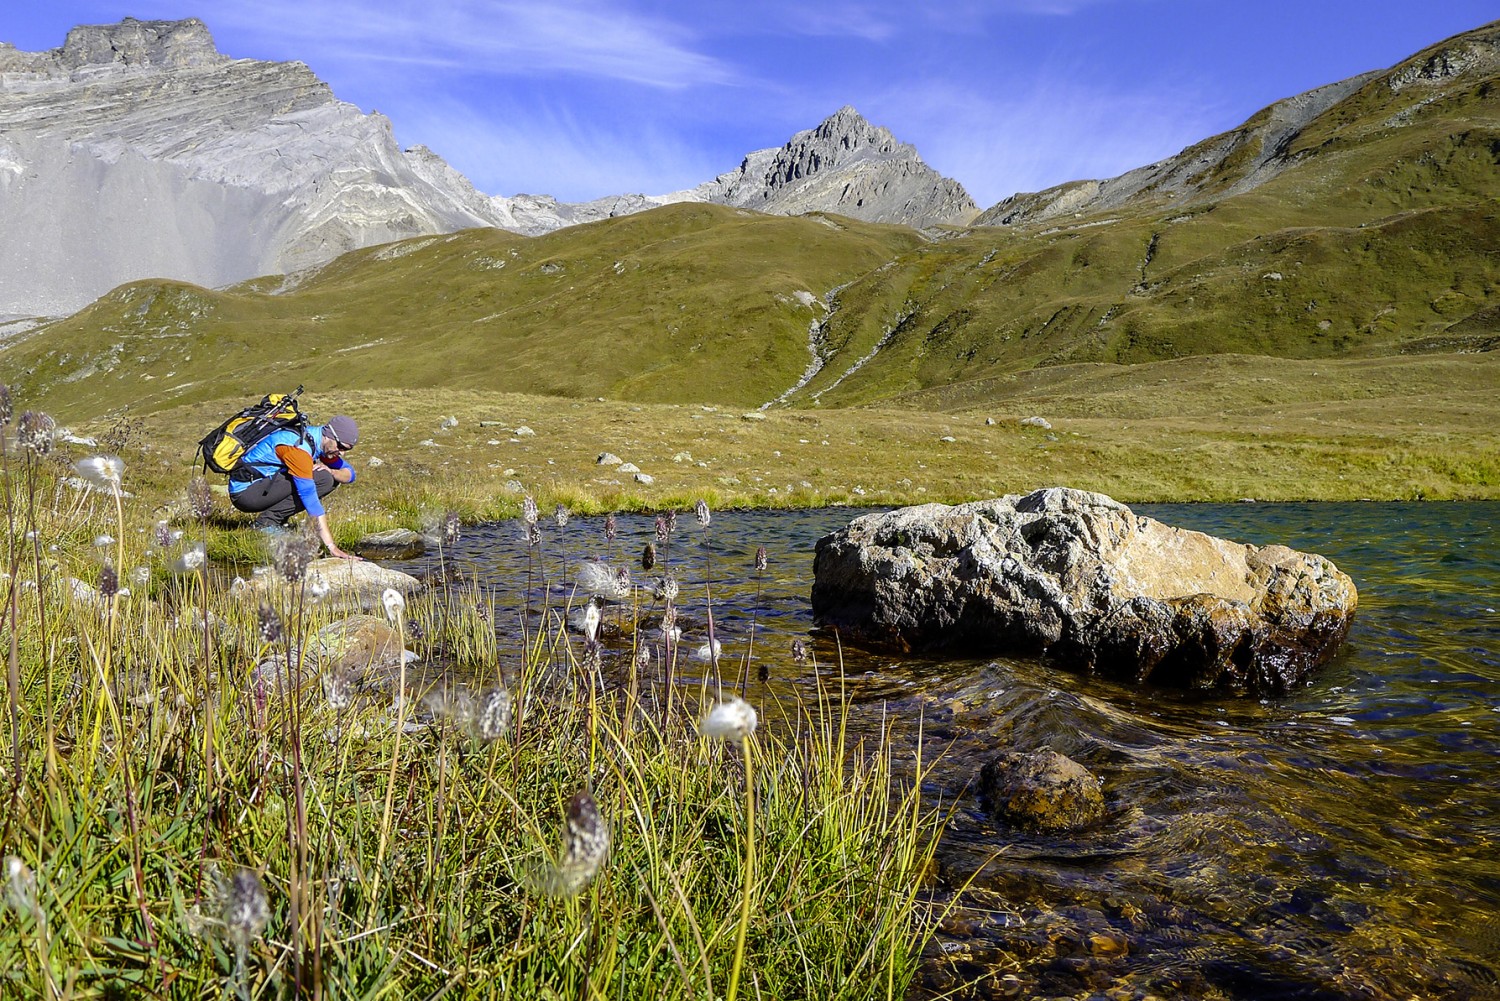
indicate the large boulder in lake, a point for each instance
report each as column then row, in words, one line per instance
column 1079, row 578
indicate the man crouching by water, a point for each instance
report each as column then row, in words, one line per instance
column 292, row 470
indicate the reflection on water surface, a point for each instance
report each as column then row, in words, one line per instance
column 1340, row 843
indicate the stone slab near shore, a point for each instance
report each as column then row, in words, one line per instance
column 1079, row 578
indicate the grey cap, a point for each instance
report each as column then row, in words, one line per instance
column 343, row 429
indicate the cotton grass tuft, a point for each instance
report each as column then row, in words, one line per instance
column 733, row 719
column 102, row 472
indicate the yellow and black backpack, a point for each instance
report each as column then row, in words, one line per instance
column 224, row 446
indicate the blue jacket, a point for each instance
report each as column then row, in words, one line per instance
column 263, row 461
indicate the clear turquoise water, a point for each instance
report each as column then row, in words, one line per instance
column 1343, row 842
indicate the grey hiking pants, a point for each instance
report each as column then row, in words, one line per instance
column 275, row 497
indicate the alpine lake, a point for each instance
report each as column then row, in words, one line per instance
column 1343, row 842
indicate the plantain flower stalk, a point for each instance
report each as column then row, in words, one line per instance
column 270, row 625
column 293, row 553
column 246, row 911
column 493, row 716
column 200, row 498
column 35, row 432
column 585, row 847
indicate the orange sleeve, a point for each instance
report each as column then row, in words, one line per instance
column 298, row 462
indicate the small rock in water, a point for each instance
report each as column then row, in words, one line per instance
column 1041, row 790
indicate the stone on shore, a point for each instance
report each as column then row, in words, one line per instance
column 1081, row 579
column 358, row 583
column 361, row 646
column 393, row 543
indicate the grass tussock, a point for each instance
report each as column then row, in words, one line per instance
column 202, row 799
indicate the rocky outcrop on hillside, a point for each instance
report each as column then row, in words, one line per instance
column 1247, row 157
column 847, row 166
column 138, row 150
column 1196, row 171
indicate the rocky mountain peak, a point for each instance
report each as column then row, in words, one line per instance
column 138, row 150
column 847, row 129
column 129, row 45
column 846, row 165
column 146, row 44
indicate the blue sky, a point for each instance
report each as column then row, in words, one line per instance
column 584, row 98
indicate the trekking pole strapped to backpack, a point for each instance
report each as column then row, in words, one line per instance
column 225, row 446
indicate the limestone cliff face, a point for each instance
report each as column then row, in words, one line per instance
column 137, row 150
column 848, row 166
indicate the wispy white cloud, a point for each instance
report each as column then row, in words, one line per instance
column 873, row 22
column 541, row 148
column 1000, row 142
column 579, row 38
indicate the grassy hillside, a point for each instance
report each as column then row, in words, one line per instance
column 687, row 302
column 1375, row 237
column 1315, row 320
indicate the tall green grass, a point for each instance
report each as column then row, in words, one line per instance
column 189, row 814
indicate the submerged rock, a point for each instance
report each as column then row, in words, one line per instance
column 1079, row 578
column 360, row 645
column 392, row 538
column 1041, row 790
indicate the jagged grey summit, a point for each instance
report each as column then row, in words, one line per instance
column 138, row 150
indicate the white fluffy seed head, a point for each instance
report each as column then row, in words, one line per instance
column 102, row 471
column 190, row 559
column 20, row 885
column 394, row 603
column 732, row 719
